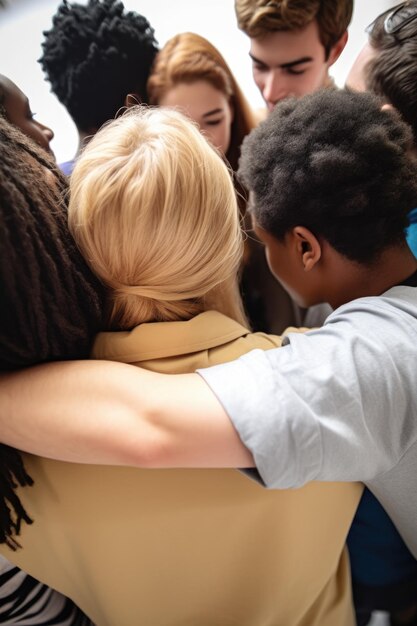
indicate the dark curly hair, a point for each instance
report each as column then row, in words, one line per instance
column 52, row 305
column 392, row 71
column 336, row 163
column 94, row 55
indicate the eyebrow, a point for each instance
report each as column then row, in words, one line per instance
column 213, row 112
column 284, row 65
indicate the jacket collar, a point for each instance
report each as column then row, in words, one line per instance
column 157, row 340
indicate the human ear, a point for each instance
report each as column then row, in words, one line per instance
column 337, row 49
column 387, row 107
column 308, row 247
column 132, row 99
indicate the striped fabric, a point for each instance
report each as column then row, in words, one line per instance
column 24, row 601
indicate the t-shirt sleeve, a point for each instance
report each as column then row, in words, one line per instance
column 319, row 408
column 248, row 389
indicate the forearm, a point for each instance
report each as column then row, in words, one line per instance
column 111, row 413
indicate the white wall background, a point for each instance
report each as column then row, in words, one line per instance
column 22, row 23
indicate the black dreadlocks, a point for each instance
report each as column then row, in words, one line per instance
column 51, row 303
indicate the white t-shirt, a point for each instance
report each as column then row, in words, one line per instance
column 337, row 403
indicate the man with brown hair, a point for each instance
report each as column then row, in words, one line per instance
column 293, row 43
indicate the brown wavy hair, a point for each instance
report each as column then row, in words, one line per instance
column 187, row 58
column 259, row 17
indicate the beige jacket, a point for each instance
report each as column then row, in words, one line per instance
column 187, row 547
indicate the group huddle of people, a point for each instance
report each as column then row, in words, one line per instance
column 208, row 324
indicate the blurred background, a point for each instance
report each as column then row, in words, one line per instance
column 22, row 23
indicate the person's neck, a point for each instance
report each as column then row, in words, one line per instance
column 394, row 266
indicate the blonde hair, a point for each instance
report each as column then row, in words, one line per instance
column 260, row 17
column 187, row 58
column 153, row 210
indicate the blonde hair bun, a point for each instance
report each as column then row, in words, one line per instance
column 153, row 210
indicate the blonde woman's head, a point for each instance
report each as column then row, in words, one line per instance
column 153, row 210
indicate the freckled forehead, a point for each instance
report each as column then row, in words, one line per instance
column 282, row 47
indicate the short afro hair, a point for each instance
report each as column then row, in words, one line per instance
column 94, row 55
column 336, row 163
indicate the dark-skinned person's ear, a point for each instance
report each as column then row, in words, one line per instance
column 308, row 247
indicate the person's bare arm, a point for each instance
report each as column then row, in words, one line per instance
column 111, row 413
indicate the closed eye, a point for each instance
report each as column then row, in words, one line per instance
column 210, row 118
column 214, row 122
column 293, row 72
